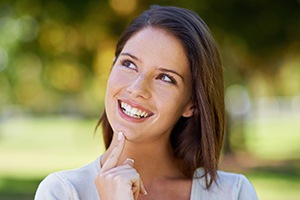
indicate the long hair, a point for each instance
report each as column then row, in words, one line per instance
column 196, row 140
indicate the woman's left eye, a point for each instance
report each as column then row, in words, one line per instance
column 167, row 78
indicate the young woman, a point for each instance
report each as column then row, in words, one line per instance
column 163, row 122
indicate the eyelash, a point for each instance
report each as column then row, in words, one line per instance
column 172, row 79
column 126, row 63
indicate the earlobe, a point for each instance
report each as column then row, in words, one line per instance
column 190, row 109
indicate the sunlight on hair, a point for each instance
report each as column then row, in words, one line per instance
column 123, row 7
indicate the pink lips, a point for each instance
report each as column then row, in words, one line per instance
column 139, row 114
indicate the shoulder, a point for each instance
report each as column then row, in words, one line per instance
column 55, row 187
column 237, row 183
column 228, row 186
column 70, row 184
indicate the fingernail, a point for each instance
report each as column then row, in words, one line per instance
column 129, row 159
column 120, row 136
column 145, row 192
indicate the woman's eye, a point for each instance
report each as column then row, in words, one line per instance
column 128, row 64
column 167, row 78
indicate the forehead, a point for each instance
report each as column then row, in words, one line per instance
column 158, row 46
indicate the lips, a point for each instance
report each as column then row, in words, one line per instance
column 134, row 111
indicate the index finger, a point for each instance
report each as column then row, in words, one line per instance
column 114, row 156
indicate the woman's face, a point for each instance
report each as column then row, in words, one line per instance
column 149, row 87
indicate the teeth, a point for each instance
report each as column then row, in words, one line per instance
column 139, row 112
column 132, row 111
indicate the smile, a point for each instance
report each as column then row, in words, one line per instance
column 133, row 112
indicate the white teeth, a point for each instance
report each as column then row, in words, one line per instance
column 139, row 112
column 132, row 111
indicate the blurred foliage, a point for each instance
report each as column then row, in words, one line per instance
column 55, row 56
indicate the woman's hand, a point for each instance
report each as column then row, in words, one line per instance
column 119, row 182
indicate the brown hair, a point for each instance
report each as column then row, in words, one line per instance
column 196, row 140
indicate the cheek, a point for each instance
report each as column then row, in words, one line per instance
column 119, row 77
column 112, row 78
column 111, row 87
column 168, row 101
column 174, row 102
column 117, row 83
column 114, row 81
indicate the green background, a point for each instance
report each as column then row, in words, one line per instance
column 55, row 57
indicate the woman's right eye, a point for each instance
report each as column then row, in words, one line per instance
column 128, row 64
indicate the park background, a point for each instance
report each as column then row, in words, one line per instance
column 55, row 57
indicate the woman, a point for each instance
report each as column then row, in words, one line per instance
column 163, row 122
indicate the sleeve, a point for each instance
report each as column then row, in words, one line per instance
column 54, row 187
column 246, row 190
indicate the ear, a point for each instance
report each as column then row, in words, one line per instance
column 189, row 110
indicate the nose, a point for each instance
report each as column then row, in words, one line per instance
column 140, row 88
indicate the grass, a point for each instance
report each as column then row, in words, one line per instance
column 31, row 148
column 275, row 138
column 272, row 185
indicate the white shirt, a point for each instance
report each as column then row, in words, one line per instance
column 79, row 184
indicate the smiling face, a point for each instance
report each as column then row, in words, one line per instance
column 149, row 87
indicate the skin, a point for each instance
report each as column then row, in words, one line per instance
column 151, row 74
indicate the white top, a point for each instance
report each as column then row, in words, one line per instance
column 79, row 184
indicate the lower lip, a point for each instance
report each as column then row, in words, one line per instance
column 128, row 118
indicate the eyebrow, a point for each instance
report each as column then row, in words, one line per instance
column 170, row 71
column 130, row 55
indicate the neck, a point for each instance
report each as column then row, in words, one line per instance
column 153, row 161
